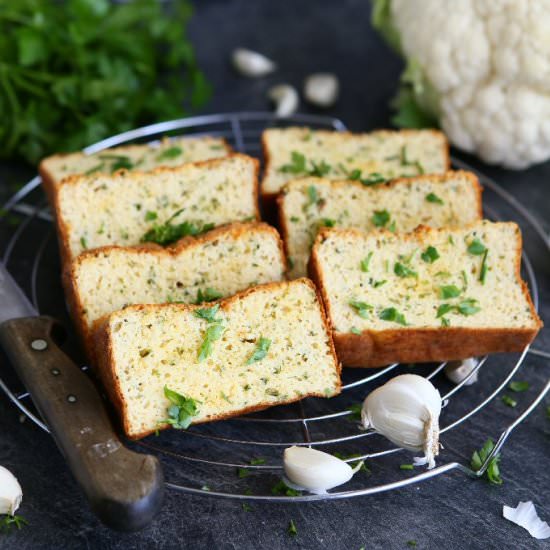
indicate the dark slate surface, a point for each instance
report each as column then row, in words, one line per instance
column 448, row 512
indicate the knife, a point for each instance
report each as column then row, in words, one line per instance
column 125, row 489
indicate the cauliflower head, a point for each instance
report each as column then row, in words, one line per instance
column 482, row 67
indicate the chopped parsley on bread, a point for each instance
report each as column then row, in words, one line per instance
column 430, row 295
column 145, row 157
column 160, row 206
column 308, row 204
column 266, row 346
column 220, row 263
column 375, row 157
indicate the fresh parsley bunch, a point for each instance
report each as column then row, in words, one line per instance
column 76, row 71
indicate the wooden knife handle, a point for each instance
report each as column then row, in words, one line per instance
column 125, row 489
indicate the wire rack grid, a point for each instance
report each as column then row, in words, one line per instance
column 222, row 459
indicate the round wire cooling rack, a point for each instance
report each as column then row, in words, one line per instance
column 242, row 458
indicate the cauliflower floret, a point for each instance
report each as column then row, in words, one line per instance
column 488, row 62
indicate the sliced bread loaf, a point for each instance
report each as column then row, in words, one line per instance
column 378, row 156
column 431, row 295
column 127, row 208
column 217, row 264
column 266, row 346
column 306, row 205
column 145, row 157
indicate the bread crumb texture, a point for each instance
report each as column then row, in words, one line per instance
column 157, row 346
column 226, row 260
column 309, row 204
column 169, row 152
column 388, row 153
column 120, row 208
column 430, row 278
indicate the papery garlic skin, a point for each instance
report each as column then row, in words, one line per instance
column 252, row 64
column 456, row 371
column 525, row 515
column 315, row 471
column 321, row 89
column 10, row 492
column 286, row 99
column 406, row 410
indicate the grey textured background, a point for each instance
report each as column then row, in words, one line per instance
column 451, row 512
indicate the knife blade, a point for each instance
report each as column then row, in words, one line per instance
column 124, row 488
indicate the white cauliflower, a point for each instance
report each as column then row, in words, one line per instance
column 482, row 67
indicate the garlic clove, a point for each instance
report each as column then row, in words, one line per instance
column 286, row 99
column 456, row 371
column 10, row 492
column 525, row 515
column 321, row 89
column 315, row 471
column 406, row 411
column 252, row 64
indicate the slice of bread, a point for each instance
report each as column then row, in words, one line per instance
column 430, row 295
column 306, row 205
column 271, row 346
column 121, row 208
column 219, row 263
column 385, row 154
column 145, row 157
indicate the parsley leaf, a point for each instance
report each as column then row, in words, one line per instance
column 257, row 461
column 354, row 330
column 213, row 332
column 150, row 216
column 262, row 347
column 207, row 313
column 484, row 268
column 297, row 164
column 312, row 195
column 8, row 521
column 355, row 410
column 208, row 295
column 432, row 197
column 401, row 270
column 373, row 179
column 181, row 411
column 518, row 386
column 406, row 467
column 476, row 247
column 479, row 457
column 170, row 153
column 467, row 307
column 509, row 401
column 365, row 263
column 361, row 308
column 391, row 314
column 292, row 531
column 71, row 79
column 449, row 291
column 430, row 255
column 328, row 222
column 380, row 218
column 281, row 488
column 406, row 162
column 319, row 169
column 168, row 233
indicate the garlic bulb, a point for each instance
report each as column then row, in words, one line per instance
column 406, row 410
column 321, row 89
column 285, row 98
column 456, row 371
column 252, row 64
column 315, row 471
column 10, row 492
